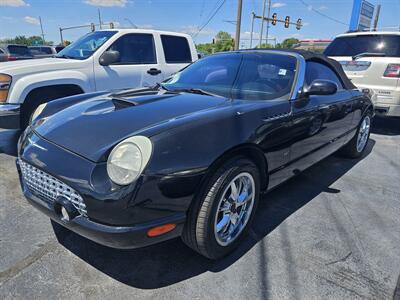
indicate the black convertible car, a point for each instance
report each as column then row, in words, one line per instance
column 191, row 156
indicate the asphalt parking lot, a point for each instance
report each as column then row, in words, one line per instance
column 333, row 232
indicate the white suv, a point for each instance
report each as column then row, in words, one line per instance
column 101, row 60
column 372, row 61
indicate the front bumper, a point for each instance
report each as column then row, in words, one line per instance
column 121, row 237
column 116, row 217
column 10, row 116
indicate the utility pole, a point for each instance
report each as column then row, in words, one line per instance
column 262, row 24
column 253, row 15
column 100, row 22
column 41, row 27
column 378, row 10
column 268, row 16
column 238, row 23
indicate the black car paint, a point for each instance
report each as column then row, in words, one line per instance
column 190, row 134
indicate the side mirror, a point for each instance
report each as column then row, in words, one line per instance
column 109, row 57
column 321, row 87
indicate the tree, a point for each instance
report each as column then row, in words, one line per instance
column 288, row 43
column 28, row 41
column 223, row 41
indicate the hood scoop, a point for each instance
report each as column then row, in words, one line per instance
column 121, row 103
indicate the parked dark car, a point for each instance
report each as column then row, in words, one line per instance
column 10, row 52
column 189, row 157
column 45, row 51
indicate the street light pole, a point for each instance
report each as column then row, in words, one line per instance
column 262, row 24
column 238, row 23
column 252, row 28
column 100, row 22
column 61, row 36
column 268, row 16
column 41, row 27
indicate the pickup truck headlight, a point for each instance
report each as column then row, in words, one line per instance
column 128, row 159
column 5, row 83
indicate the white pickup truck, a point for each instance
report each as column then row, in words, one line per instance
column 100, row 60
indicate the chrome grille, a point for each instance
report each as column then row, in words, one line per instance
column 48, row 188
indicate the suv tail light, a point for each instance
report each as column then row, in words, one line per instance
column 392, row 70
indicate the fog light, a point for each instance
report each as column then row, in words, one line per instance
column 64, row 214
column 64, row 209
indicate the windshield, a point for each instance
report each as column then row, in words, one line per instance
column 19, row 50
column 247, row 76
column 86, row 45
column 387, row 45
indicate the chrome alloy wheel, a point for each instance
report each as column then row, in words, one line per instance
column 234, row 208
column 363, row 134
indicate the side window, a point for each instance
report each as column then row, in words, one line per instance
column 265, row 77
column 135, row 48
column 316, row 70
column 46, row 50
column 176, row 49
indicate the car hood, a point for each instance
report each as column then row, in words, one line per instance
column 92, row 127
column 33, row 66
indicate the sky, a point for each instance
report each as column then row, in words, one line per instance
column 322, row 19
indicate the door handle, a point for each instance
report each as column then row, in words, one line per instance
column 153, row 71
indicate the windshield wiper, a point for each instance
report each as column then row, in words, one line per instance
column 370, row 54
column 191, row 91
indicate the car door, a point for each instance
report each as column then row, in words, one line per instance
column 320, row 122
column 138, row 65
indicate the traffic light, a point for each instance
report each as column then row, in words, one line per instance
column 111, row 25
column 274, row 19
column 298, row 24
column 287, row 21
column 92, row 27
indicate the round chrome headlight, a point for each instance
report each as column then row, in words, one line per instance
column 128, row 159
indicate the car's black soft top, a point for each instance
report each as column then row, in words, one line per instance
column 337, row 67
column 312, row 56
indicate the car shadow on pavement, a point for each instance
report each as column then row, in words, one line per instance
column 171, row 262
column 386, row 126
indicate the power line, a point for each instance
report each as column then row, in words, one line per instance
column 322, row 14
column 209, row 19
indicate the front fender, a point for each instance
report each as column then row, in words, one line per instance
column 21, row 87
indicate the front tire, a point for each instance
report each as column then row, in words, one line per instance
column 224, row 209
column 356, row 147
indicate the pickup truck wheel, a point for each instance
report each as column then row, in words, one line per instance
column 355, row 148
column 223, row 212
column 44, row 95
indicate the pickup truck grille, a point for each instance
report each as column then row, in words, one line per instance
column 48, row 188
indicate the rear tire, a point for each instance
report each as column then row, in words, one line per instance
column 224, row 209
column 356, row 147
